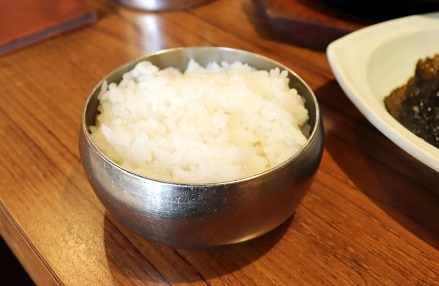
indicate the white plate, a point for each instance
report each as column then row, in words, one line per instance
column 369, row 63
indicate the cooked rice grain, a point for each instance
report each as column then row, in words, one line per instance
column 207, row 124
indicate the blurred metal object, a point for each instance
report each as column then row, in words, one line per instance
column 202, row 215
column 161, row 5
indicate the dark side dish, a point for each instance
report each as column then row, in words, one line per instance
column 416, row 104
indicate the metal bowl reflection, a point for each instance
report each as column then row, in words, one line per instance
column 202, row 215
column 162, row 5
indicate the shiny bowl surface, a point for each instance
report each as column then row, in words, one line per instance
column 162, row 5
column 203, row 215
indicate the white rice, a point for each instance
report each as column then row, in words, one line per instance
column 207, row 124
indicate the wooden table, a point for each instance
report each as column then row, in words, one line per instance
column 370, row 218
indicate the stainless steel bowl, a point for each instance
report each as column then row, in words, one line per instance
column 203, row 215
column 162, row 5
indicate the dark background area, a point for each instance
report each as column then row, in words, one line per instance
column 11, row 270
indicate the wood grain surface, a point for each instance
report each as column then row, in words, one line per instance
column 26, row 22
column 370, row 218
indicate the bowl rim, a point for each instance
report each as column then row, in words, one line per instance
column 312, row 136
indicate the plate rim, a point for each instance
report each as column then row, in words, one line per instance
column 338, row 55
